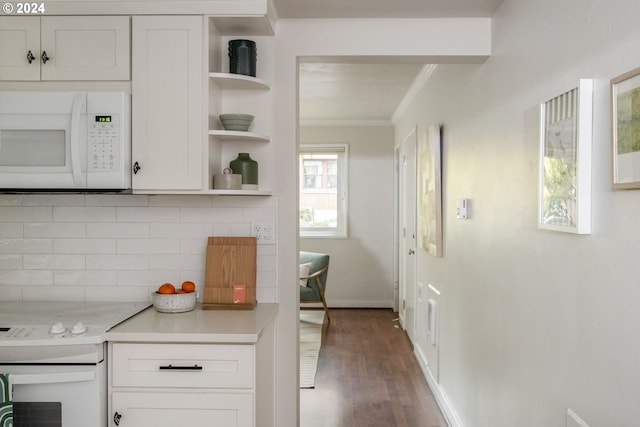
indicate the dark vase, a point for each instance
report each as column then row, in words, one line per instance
column 242, row 57
column 247, row 167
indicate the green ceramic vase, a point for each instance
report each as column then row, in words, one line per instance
column 247, row 167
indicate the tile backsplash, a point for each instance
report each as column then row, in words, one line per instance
column 106, row 247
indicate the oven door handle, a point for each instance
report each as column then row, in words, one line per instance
column 66, row 377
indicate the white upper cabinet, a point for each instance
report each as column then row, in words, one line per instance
column 168, row 130
column 63, row 48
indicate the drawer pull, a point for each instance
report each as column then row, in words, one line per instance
column 182, row 368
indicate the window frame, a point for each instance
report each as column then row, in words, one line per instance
column 342, row 151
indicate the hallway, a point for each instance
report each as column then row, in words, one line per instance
column 368, row 376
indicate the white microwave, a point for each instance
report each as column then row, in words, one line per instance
column 57, row 141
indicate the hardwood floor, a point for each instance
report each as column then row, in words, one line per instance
column 368, row 376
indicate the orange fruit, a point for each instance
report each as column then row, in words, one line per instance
column 180, row 291
column 188, row 286
column 167, row 288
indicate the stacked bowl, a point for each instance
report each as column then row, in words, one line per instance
column 236, row 122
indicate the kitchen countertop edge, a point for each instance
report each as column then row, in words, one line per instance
column 196, row 326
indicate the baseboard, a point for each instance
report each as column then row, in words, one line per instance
column 441, row 397
column 352, row 304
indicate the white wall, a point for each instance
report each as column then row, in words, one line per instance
column 76, row 247
column 534, row 322
column 361, row 266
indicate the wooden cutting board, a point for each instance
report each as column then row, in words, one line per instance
column 230, row 273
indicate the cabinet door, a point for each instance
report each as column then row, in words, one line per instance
column 18, row 37
column 169, row 409
column 85, row 47
column 168, row 112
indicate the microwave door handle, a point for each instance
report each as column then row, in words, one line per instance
column 65, row 377
column 79, row 105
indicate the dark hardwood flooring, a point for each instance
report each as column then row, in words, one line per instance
column 368, row 376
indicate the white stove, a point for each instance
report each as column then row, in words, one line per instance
column 37, row 323
column 54, row 354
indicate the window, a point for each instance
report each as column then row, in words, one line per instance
column 323, row 190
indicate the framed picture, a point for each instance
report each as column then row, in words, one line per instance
column 430, row 191
column 565, row 161
column 625, row 130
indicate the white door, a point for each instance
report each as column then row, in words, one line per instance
column 407, row 232
column 168, row 131
column 84, row 48
column 19, row 48
column 170, row 408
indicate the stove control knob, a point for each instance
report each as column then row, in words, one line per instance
column 57, row 328
column 78, row 328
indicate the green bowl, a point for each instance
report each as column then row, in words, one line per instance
column 237, row 122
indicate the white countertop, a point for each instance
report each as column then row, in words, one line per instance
column 198, row 325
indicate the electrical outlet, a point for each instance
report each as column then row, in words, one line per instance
column 264, row 232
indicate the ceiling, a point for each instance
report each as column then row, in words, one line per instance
column 385, row 8
column 332, row 92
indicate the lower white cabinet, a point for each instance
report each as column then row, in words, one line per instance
column 179, row 408
column 195, row 385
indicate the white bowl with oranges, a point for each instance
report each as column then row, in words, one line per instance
column 169, row 299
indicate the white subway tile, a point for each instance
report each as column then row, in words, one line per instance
column 193, row 246
column 195, row 276
column 148, row 246
column 10, row 293
column 25, row 214
column 84, row 277
column 266, row 263
column 84, row 214
column 121, row 247
column 53, row 200
column 54, row 293
column 148, row 278
column 26, row 277
column 177, row 262
column 163, row 214
column 116, row 200
column 84, row 246
column 11, row 229
column 117, row 293
column 117, row 262
column 10, row 200
column 267, row 250
column 232, row 230
column 246, row 202
column 10, row 261
column 181, row 200
column 55, row 229
column 118, row 230
column 211, row 215
column 34, row 246
column 227, row 215
column 268, row 295
column 259, row 214
column 53, row 262
column 266, row 279
column 183, row 231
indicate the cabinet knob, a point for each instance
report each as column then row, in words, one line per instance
column 30, row 57
column 411, row 252
column 136, row 168
column 44, row 57
column 116, row 418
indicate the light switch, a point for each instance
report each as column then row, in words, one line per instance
column 463, row 205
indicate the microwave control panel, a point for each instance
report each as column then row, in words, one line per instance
column 104, row 143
